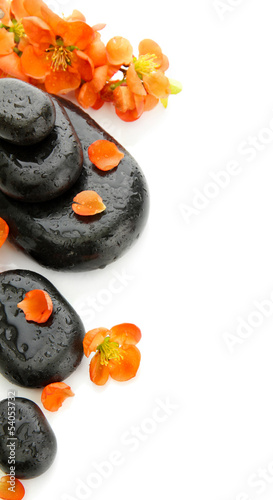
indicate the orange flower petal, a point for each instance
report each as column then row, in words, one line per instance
column 33, row 8
column 92, row 339
column 124, row 99
column 99, row 26
column 157, row 84
column 53, row 395
column 37, row 306
column 86, row 96
column 165, row 63
column 125, row 333
column 62, row 82
column 11, row 65
column 128, row 116
column 75, row 16
column 34, row 62
column 84, row 65
column 88, row 203
column 5, row 489
column 104, row 154
column 126, row 368
column 6, row 42
column 150, row 102
column 99, row 373
column 99, row 103
column 119, row 51
column 5, row 7
column 99, row 78
column 38, row 32
column 4, row 231
column 96, row 50
column 74, row 33
column 148, row 46
column 18, row 9
column 133, row 81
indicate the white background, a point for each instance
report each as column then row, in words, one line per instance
column 189, row 281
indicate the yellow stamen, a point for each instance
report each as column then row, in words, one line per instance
column 60, row 57
column 109, row 350
column 146, row 64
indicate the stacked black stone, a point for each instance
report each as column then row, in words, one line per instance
column 39, row 181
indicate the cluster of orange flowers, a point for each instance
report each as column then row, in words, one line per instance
column 63, row 55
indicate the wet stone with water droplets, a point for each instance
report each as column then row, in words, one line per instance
column 33, row 443
column 27, row 114
column 42, row 171
column 58, row 238
column 32, row 354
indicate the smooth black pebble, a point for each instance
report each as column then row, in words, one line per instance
column 42, row 171
column 58, row 238
column 33, row 354
column 27, row 114
column 34, row 442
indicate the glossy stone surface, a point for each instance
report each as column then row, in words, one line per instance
column 34, row 441
column 56, row 237
column 32, row 354
column 42, row 171
column 27, row 114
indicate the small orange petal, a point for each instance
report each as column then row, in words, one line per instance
column 124, row 99
column 11, row 65
column 104, row 154
column 99, row 373
column 150, row 102
column 88, row 203
column 38, row 32
column 126, row 368
column 129, row 116
column 84, row 65
column 53, row 395
column 37, row 306
column 62, row 82
column 125, row 333
column 34, row 62
column 99, row 78
column 93, row 338
column 148, row 46
column 165, row 63
column 75, row 16
column 119, row 51
column 4, row 231
column 86, row 95
column 99, row 103
column 96, row 50
column 6, row 42
column 99, row 26
column 6, row 489
column 133, row 81
column 157, row 84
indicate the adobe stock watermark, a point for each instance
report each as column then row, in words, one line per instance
column 220, row 180
column 257, row 483
column 57, row 6
column 130, row 442
column 88, row 306
column 224, row 7
column 248, row 325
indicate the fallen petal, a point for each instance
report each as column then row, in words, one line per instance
column 104, row 154
column 53, row 395
column 5, row 489
column 4, row 231
column 37, row 306
column 88, row 203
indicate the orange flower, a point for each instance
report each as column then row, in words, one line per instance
column 53, row 395
column 104, row 154
column 11, row 33
column 4, row 231
column 6, row 493
column 116, row 353
column 56, row 51
column 37, row 306
column 88, row 203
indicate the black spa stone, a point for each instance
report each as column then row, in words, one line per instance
column 42, row 171
column 33, row 445
column 58, row 238
column 32, row 354
column 27, row 114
